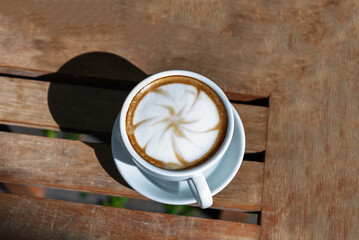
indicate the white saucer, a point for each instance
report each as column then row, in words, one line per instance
column 177, row 193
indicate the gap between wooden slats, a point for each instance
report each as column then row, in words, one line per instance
column 67, row 107
column 32, row 218
column 89, row 167
column 149, row 35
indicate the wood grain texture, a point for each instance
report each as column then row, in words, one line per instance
column 56, row 106
column 255, row 122
column 235, row 43
column 90, row 167
column 31, row 218
column 306, row 51
column 22, row 72
column 311, row 170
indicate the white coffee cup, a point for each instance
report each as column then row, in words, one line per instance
column 194, row 176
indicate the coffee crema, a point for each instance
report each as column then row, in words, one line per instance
column 176, row 122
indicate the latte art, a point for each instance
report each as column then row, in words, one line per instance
column 176, row 122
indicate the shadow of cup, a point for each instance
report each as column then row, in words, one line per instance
column 86, row 94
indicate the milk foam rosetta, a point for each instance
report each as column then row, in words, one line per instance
column 176, row 122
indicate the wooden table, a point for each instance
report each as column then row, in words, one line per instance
column 68, row 66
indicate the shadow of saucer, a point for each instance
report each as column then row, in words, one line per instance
column 86, row 94
column 105, row 158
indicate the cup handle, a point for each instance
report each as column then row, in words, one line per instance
column 201, row 191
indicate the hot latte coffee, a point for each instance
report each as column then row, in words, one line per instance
column 176, row 122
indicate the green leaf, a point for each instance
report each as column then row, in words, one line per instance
column 72, row 136
column 83, row 195
column 180, row 210
column 50, row 133
column 118, row 202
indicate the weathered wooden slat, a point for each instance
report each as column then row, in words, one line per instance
column 33, row 218
column 90, row 167
column 311, row 180
column 234, row 43
column 47, row 105
column 255, row 121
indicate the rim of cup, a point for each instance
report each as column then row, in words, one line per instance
column 176, row 173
